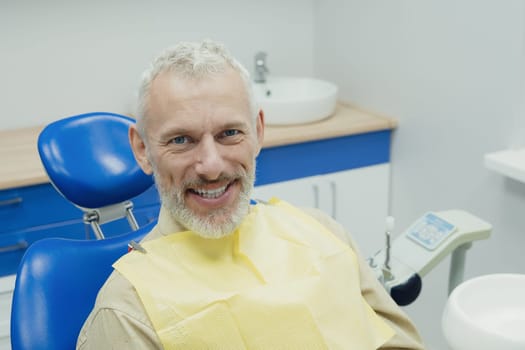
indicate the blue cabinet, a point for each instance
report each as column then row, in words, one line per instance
column 319, row 157
column 22, row 208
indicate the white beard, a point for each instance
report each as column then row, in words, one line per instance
column 217, row 223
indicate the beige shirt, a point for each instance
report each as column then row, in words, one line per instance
column 119, row 321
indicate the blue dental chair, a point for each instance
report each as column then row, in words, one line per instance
column 56, row 285
column 90, row 163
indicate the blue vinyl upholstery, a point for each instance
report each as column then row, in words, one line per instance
column 89, row 160
column 56, row 286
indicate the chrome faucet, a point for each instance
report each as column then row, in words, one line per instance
column 260, row 67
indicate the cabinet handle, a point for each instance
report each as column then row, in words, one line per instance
column 14, row 247
column 11, row 201
column 315, row 188
column 333, row 187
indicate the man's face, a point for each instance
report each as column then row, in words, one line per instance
column 201, row 145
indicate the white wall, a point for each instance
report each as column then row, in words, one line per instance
column 60, row 58
column 452, row 73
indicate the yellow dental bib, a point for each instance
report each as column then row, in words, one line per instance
column 280, row 281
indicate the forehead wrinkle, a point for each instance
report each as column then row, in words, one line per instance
column 189, row 102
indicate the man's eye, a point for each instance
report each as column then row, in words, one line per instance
column 179, row 140
column 231, row 132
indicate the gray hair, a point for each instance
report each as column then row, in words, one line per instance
column 192, row 60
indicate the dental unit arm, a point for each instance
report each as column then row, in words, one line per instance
column 401, row 264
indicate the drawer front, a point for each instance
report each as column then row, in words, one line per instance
column 14, row 244
column 39, row 205
column 34, row 206
column 295, row 161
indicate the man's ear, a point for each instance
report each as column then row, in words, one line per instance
column 260, row 129
column 138, row 146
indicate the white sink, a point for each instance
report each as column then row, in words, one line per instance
column 486, row 313
column 287, row 100
column 509, row 162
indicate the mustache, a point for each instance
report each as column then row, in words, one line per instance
column 201, row 181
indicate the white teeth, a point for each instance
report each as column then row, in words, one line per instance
column 211, row 193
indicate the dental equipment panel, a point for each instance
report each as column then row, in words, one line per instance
column 401, row 264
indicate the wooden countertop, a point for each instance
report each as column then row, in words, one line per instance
column 21, row 166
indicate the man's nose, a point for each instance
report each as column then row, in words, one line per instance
column 209, row 162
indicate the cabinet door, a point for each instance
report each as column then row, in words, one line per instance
column 305, row 192
column 5, row 315
column 7, row 285
column 357, row 199
column 360, row 203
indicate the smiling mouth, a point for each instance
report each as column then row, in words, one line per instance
column 210, row 193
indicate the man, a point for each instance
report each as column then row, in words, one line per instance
column 217, row 272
